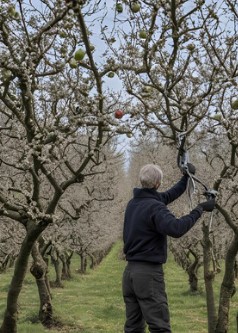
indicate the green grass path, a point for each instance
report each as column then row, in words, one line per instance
column 92, row 303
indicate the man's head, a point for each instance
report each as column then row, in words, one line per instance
column 150, row 176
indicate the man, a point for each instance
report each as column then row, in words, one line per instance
column 147, row 224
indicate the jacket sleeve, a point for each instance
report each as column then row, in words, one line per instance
column 167, row 224
column 174, row 192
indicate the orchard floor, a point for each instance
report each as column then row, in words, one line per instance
column 92, row 303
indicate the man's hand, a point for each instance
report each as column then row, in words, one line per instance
column 208, row 205
column 190, row 169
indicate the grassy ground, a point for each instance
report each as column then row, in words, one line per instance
column 92, row 303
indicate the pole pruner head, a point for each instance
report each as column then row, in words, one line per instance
column 183, row 157
column 210, row 194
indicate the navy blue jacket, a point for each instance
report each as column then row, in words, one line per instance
column 148, row 222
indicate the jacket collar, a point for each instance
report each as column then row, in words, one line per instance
column 145, row 193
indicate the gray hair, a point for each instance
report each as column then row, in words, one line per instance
column 150, row 176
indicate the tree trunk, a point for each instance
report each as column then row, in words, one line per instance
column 83, row 263
column 237, row 322
column 65, row 271
column 5, row 263
column 39, row 270
column 236, row 267
column 58, row 273
column 193, row 272
column 193, row 281
column 227, row 288
column 66, row 261
column 47, row 281
column 93, row 264
column 9, row 324
column 209, row 276
column 11, row 261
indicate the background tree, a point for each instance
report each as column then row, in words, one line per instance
column 49, row 142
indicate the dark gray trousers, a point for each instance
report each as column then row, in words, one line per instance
column 145, row 298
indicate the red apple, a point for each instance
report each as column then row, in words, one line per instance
column 119, row 114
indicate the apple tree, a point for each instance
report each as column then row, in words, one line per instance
column 56, row 117
column 180, row 65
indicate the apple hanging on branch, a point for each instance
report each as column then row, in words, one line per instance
column 217, row 117
column 79, row 54
column 73, row 63
column 135, row 7
column 119, row 7
column 234, row 104
column 111, row 74
column 143, row 34
column 119, row 114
